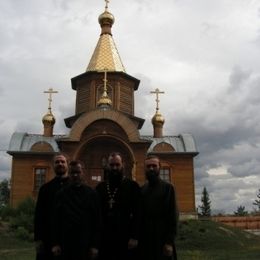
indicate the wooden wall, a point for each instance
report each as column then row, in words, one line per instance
column 22, row 178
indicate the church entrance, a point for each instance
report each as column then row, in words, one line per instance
column 95, row 153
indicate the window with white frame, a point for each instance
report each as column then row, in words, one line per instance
column 165, row 174
column 40, row 174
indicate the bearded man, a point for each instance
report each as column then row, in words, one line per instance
column 119, row 200
column 44, row 208
column 159, row 215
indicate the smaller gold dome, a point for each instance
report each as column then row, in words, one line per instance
column 106, row 18
column 158, row 119
column 48, row 119
column 104, row 101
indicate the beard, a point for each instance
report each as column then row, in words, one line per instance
column 115, row 176
column 152, row 176
column 60, row 171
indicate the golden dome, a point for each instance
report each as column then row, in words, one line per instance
column 104, row 101
column 158, row 119
column 48, row 119
column 106, row 18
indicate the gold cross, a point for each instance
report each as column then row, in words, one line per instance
column 50, row 91
column 157, row 92
column 106, row 7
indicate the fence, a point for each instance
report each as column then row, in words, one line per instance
column 247, row 222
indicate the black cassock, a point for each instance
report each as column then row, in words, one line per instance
column 44, row 214
column 119, row 218
column 159, row 220
column 76, row 221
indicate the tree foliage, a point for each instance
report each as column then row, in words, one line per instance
column 4, row 193
column 257, row 201
column 241, row 211
column 205, row 209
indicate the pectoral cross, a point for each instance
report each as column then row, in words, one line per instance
column 111, row 203
column 157, row 92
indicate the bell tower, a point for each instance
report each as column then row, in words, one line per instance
column 104, row 119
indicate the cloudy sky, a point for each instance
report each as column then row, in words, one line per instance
column 204, row 54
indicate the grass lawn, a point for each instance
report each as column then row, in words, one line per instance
column 208, row 240
column 12, row 248
column 197, row 240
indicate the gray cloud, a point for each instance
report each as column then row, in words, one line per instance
column 203, row 55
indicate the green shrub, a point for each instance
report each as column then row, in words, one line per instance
column 27, row 206
column 23, row 218
column 23, row 234
column 6, row 212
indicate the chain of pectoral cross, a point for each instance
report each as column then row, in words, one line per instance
column 111, row 196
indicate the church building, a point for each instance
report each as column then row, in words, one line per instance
column 104, row 121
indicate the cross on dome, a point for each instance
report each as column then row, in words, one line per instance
column 106, row 7
column 157, row 92
column 50, row 91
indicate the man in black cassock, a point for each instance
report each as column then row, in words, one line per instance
column 76, row 218
column 159, row 215
column 44, row 208
column 119, row 198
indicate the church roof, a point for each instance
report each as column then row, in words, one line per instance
column 106, row 55
column 183, row 143
column 23, row 142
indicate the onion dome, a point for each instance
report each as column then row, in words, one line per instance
column 158, row 119
column 106, row 54
column 106, row 18
column 48, row 119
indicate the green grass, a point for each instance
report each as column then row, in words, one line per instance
column 210, row 240
column 12, row 248
column 197, row 240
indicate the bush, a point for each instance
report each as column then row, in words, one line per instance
column 6, row 212
column 22, row 220
column 23, row 234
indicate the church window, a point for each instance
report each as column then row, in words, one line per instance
column 165, row 174
column 96, row 178
column 39, row 177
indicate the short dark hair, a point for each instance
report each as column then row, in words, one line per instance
column 75, row 163
column 114, row 154
column 151, row 156
column 60, row 154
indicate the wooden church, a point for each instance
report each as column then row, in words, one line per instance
column 104, row 121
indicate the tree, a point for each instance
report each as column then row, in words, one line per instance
column 4, row 193
column 205, row 206
column 257, row 201
column 241, row 211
